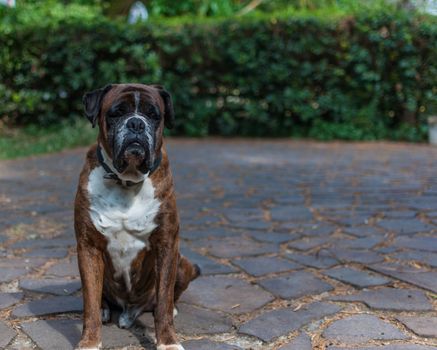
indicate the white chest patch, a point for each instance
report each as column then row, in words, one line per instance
column 125, row 215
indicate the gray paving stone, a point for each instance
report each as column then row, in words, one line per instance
column 263, row 265
column 227, row 294
column 8, row 299
column 419, row 277
column 321, row 229
column 308, row 229
column 204, row 219
column 194, row 320
column 301, row 342
column 320, row 260
column 65, row 334
column 289, row 198
column 423, row 203
column 231, row 247
column 274, row 237
column 207, row 265
column 406, row 226
column 358, row 329
column 389, row 347
column 3, row 239
column 30, row 264
column 425, row 326
column 361, row 243
column 357, row 278
column 390, row 299
column 308, row 243
column 273, row 324
column 204, row 344
column 354, row 220
column 54, row 334
column 252, row 225
column 47, row 306
column 291, row 213
column 11, row 273
column 362, row 231
column 45, row 243
column 49, row 253
column 14, row 268
column 244, row 214
column 427, row 258
column 358, row 256
column 65, row 268
column 6, row 334
column 417, row 242
column 386, row 250
column 202, row 233
column 295, row 285
column 401, row 214
column 59, row 286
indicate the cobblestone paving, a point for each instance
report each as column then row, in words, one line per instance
column 302, row 245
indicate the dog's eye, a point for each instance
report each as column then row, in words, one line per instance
column 118, row 111
column 113, row 114
column 152, row 112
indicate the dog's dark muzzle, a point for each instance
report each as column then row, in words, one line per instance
column 135, row 151
column 133, row 145
column 132, row 154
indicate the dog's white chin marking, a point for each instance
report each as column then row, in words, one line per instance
column 125, row 215
column 170, row 347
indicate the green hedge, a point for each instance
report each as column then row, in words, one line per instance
column 367, row 75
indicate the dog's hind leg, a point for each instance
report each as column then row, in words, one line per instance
column 186, row 273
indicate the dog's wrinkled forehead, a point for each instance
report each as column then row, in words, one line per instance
column 135, row 97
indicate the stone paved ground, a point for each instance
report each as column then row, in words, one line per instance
column 303, row 246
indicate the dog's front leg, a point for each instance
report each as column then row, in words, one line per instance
column 91, row 272
column 165, row 272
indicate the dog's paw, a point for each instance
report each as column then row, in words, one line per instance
column 175, row 312
column 87, row 347
column 170, row 347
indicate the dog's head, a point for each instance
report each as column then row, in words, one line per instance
column 131, row 119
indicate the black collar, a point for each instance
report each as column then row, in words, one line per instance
column 113, row 176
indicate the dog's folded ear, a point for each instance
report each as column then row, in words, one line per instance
column 92, row 102
column 168, row 103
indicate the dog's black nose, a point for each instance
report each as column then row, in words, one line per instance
column 136, row 125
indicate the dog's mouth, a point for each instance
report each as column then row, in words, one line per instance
column 133, row 157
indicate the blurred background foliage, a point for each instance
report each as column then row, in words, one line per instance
column 326, row 69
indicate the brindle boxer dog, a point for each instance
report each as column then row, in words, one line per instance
column 126, row 221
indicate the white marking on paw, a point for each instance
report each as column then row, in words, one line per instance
column 170, row 347
column 175, row 312
column 98, row 347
